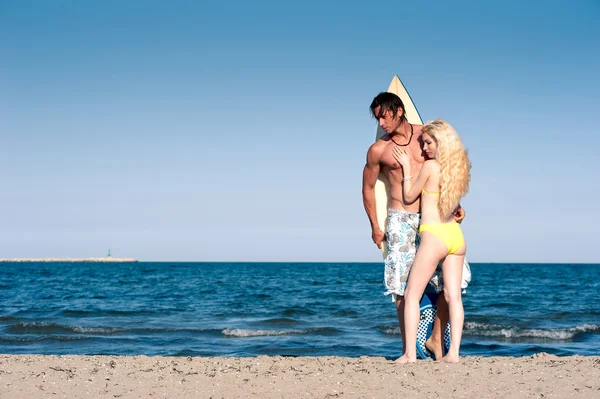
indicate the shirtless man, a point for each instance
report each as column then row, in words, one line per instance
column 401, row 232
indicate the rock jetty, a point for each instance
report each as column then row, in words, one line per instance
column 102, row 259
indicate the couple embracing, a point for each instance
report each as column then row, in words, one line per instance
column 429, row 172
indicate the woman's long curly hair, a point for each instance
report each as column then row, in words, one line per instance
column 454, row 164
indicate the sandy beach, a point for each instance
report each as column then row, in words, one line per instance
column 538, row 376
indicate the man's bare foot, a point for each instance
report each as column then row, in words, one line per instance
column 405, row 359
column 451, row 358
column 434, row 347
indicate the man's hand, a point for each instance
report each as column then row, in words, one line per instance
column 459, row 214
column 378, row 237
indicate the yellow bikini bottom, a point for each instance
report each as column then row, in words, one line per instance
column 449, row 233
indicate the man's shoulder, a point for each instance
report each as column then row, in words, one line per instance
column 417, row 129
column 380, row 144
column 376, row 150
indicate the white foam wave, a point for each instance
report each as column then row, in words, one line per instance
column 494, row 330
column 588, row 328
column 236, row 332
column 95, row 330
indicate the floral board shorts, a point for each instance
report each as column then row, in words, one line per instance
column 402, row 235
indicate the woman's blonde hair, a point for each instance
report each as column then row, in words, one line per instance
column 454, row 165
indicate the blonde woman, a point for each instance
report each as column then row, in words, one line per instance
column 441, row 183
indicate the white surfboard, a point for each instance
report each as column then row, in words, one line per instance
column 382, row 193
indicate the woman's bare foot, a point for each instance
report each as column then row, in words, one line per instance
column 434, row 347
column 451, row 358
column 405, row 359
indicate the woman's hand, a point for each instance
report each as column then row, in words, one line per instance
column 402, row 157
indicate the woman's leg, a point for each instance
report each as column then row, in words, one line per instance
column 431, row 251
column 452, row 269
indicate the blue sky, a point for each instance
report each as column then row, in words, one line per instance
column 237, row 131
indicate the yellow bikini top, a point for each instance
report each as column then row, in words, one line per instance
column 429, row 192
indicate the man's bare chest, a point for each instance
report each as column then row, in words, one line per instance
column 388, row 161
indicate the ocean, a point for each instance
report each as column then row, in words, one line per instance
column 287, row 309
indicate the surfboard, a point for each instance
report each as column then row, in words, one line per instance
column 428, row 303
column 382, row 186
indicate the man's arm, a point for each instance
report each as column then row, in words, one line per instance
column 370, row 174
column 459, row 214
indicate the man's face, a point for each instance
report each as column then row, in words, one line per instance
column 388, row 121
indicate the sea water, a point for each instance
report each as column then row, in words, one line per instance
column 289, row 309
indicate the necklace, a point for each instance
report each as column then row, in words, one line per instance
column 409, row 140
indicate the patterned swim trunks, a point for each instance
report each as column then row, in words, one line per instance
column 402, row 235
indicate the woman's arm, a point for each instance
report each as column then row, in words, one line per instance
column 411, row 191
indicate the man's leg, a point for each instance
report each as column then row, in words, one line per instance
column 402, row 238
column 435, row 342
column 400, row 312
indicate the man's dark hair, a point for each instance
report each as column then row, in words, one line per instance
column 388, row 102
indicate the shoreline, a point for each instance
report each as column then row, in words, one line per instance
column 74, row 260
column 76, row 376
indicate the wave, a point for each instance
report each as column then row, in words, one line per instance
column 279, row 321
column 475, row 329
column 500, row 331
column 390, row 330
column 99, row 313
column 345, row 312
column 298, row 311
column 242, row 333
column 261, row 295
column 43, row 338
column 54, row 328
column 9, row 318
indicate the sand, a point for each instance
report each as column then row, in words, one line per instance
column 537, row 376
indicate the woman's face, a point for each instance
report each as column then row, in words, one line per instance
column 430, row 146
